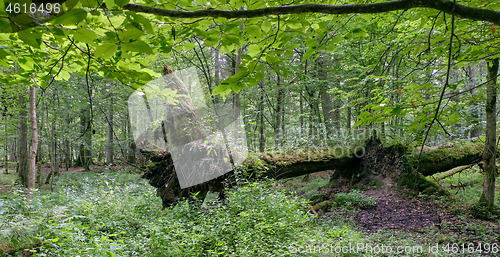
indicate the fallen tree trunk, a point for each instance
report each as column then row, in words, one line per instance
column 351, row 165
column 451, row 172
column 444, row 159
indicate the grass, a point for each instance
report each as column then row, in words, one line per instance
column 465, row 188
column 116, row 213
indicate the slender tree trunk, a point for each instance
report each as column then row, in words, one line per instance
column 217, row 78
column 131, row 158
column 34, row 140
column 301, row 104
column 489, row 155
column 262, row 139
column 22, row 148
column 109, row 148
column 327, row 104
column 474, row 123
column 85, row 156
column 6, row 170
column 279, row 108
column 54, row 167
column 67, row 147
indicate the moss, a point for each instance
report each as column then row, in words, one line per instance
column 325, row 206
column 480, row 210
column 443, row 159
column 417, row 183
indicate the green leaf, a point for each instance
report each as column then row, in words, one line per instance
column 5, row 26
column 254, row 30
column 72, row 17
column 121, row 3
column 254, row 50
column 221, row 88
column 110, row 4
column 137, row 46
column 294, row 24
column 30, row 37
column 308, row 53
column 396, row 110
column 266, row 26
column 70, row 4
column 89, row 3
column 188, row 46
column 360, row 32
column 106, row 50
column 364, row 114
column 26, row 63
column 86, row 36
column 139, row 19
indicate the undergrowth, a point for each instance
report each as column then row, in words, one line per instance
column 118, row 214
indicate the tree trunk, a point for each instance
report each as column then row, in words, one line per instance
column 132, row 148
column 54, row 166
column 348, row 119
column 279, row 108
column 85, row 156
column 301, row 117
column 34, row 140
column 475, row 131
column 22, row 145
column 489, row 156
column 327, row 104
column 351, row 165
column 262, row 136
column 68, row 156
column 109, row 146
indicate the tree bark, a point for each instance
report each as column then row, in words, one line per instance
column 463, row 11
column 85, row 156
column 22, row 145
column 489, row 155
column 327, row 104
column 350, row 164
column 109, row 145
column 475, row 130
column 262, row 136
column 34, row 140
column 279, row 108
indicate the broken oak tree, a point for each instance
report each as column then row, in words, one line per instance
column 392, row 165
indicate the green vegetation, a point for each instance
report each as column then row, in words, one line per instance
column 115, row 213
column 354, row 199
column 106, row 213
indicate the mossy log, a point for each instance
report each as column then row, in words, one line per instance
column 451, row 172
column 351, row 165
column 446, row 158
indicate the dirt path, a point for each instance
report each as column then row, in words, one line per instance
column 398, row 212
column 394, row 211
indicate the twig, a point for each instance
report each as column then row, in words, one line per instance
column 436, row 114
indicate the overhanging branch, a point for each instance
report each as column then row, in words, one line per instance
column 446, row 6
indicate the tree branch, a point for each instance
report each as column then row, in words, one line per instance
column 463, row 11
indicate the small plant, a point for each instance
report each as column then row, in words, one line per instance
column 354, row 199
column 481, row 211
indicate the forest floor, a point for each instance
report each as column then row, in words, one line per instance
column 444, row 219
column 107, row 211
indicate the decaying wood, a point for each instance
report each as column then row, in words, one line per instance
column 351, row 165
column 451, row 172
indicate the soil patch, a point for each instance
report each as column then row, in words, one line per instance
column 394, row 211
column 397, row 212
column 4, row 189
